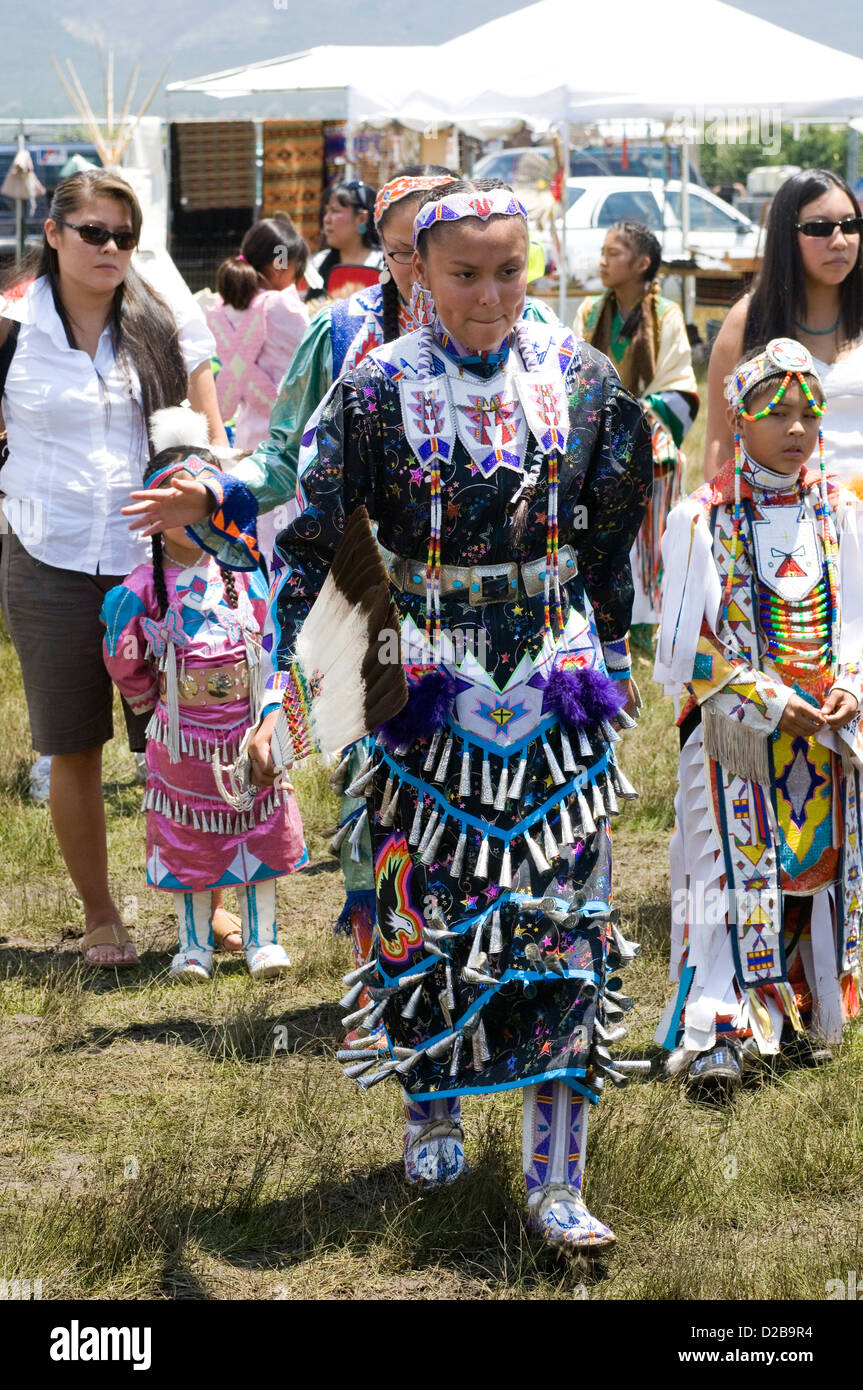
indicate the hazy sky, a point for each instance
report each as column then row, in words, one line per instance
column 199, row 36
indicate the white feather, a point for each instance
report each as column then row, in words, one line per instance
column 178, row 426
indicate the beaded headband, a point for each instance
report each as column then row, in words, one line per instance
column 400, row 187
column 194, row 465
column 783, row 357
column 497, row 202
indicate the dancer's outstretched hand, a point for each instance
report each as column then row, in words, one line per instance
column 182, row 504
column 263, row 772
column 838, row 708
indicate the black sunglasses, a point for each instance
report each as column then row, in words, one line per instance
column 100, row 236
column 849, row 226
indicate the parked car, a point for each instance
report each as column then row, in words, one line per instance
column 48, row 163
column 522, row 168
column 595, row 204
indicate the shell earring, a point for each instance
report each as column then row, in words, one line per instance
column 384, row 275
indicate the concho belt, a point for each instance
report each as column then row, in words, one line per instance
column 211, row 685
column 482, row 583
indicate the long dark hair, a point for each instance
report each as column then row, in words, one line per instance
column 360, row 197
column 178, row 453
column 239, row 278
column 142, row 326
column 779, row 296
column 390, row 291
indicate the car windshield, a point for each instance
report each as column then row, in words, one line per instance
column 633, row 206
column 573, row 194
column 705, row 216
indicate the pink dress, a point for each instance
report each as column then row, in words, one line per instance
column 255, row 347
column 195, row 842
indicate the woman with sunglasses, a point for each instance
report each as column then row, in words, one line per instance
column 810, row 288
column 97, row 351
column 349, row 234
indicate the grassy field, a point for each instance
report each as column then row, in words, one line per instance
column 161, row 1142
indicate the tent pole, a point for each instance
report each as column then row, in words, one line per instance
column 564, row 200
column 688, row 280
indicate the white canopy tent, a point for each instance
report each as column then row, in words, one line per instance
column 560, row 61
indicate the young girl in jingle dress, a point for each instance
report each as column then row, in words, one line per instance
column 183, row 640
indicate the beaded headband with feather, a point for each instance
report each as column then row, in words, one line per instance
column 400, row 187
column 497, row 202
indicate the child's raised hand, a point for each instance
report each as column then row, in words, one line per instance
column 799, row 717
column 838, row 708
column 161, row 508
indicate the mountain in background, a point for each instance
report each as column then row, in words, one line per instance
column 200, row 36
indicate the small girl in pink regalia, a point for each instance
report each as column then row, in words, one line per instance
column 184, row 640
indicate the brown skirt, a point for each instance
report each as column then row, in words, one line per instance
column 53, row 620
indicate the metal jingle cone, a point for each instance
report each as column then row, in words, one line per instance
column 536, row 853
column 359, row 1054
column 549, row 844
column 553, row 765
column 338, row 837
column 554, row 964
column 458, row 857
column 585, row 748
column 615, row 1077
column 566, row 833
column 612, row 1013
column 549, row 908
column 505, row 879
column 357, row 834
column 624, row 786
column 443, row 765
column 533, row 956
column 627, row 950
column 447, row 999
column 503, row 784
column 360, row 973
column 479, row 1048
column 569, row 763
column 611, row 734
column 359, row 784
column 610, row 797
column 476, row 944
column 351, row 1020
column 340, row 773
column 366, row 1081
column 415, row 831
column 410, row 1009
column 359, row 1067
column 438, row 934
column 388, row 816
column 429, row 832
column 458, row 1049
column 348, row 1000
column 464, row 774
column 517, row 785
column 625, row 719
column 495, row 938
column 481, row 869
column 640, row 1066
column 623, row 1001
column 439, row 1049
column 609, row 1035
column 433, row 750
column 486, row 795
column 430, row 855
column 478, row 975
column 587, row 821
column 385, row 799
column 407, row 1064
column 598, row 805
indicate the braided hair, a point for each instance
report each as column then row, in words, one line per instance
column 178, row 453
column 642, row 323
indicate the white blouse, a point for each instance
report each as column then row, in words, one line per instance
column 77, row 445
column 843, row 418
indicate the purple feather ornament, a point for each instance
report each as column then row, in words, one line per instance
column 582, row 698
column 430, row 702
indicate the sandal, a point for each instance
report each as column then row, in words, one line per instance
column 108, row 934
column 226, row 924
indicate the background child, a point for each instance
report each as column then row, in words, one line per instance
column 183, row 639
column 761, row 628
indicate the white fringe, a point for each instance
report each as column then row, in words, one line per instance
column 741, row 751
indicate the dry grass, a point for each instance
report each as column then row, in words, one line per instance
column 154, row 1145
